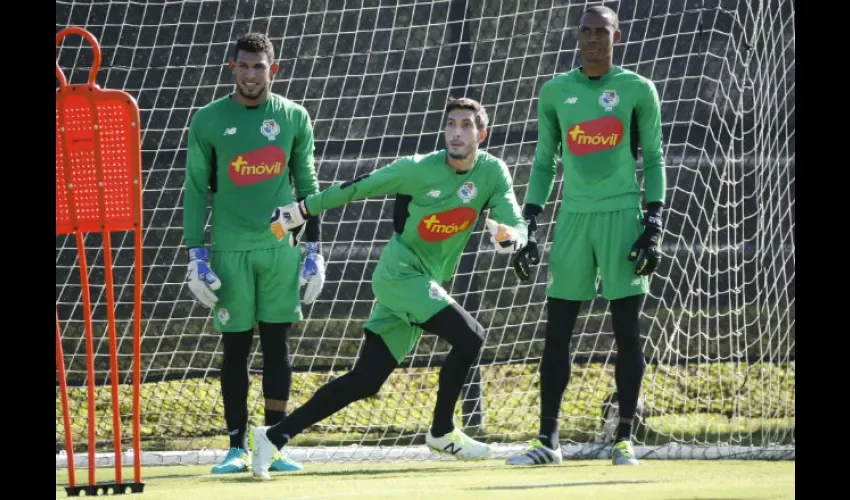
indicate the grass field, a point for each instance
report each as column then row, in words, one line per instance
column 444, row 479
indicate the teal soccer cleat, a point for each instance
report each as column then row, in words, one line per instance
column 285, row 464
column 235, row 461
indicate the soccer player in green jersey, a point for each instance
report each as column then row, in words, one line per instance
column 249, row 149
column 439, row 198
column 596, row 116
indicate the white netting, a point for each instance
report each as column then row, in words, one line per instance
column 719, row 326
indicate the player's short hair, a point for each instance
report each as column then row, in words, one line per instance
column 601, row 10
column 256, row 43
column 481, row 119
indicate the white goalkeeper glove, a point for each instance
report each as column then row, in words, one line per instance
column 312, row 272
column 202, row 281
column 505, row 238
column 287, row 220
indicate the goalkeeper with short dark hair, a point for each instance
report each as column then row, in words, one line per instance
column 439, row 198
column 596, row 116
column 250, row 149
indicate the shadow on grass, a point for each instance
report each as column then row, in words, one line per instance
column 369, row 472
column 556, row 485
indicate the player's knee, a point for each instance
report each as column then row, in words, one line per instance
column 624, row 319
column 363, row 383
column 236, row 348
column 471, row 340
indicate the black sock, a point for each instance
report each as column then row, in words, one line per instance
column 466, row 336
column 555, row 366
column 371, row 370
column 235, row 384
column 630, row 365
column 624, row 430
column 549, row 433
column 273, row 416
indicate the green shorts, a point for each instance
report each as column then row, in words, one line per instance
column 257, row 285
column 587, row 245
column 404, row 299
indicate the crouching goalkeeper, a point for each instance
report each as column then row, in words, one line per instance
column 439, row 197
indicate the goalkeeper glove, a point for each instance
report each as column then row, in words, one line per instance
column 312, row 272
column 289, row 219
column 528, row 255
column 646, row 252
column 505, row 238
column 202, row 281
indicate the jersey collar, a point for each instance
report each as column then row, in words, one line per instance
column 584, row 78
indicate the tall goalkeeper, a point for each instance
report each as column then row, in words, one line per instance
column 248, row 148
column 596, row 116
column 439, row 198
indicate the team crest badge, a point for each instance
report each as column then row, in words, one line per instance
column 270, row 129
column 467, row 192
column 223, row 316
column 609, row 99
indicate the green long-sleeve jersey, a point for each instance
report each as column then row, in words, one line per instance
column 436, row 209
column 249, row 159
column 597, row 126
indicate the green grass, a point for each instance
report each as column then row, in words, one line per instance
column 733, row 403
column 597, row 479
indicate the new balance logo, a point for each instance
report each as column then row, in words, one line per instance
column 434, row 193
column 230, row 131
column 571, row 100
column 450, row 448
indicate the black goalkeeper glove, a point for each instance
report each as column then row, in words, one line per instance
column 528, row 255
column 646, row 252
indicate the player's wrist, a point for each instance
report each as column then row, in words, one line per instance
column 530, row 213
column 302, row 205
column 652, row 217
column 313, row 247
column 198, row 253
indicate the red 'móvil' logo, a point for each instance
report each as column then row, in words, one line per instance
column 444, row 225
column 595, row 135
column 257, row 165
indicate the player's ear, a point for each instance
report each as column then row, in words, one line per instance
column 617, row 36
column 231, row 63
column 273, row 69
column 482, row 134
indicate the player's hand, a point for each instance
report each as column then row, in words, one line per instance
column 528, row 255
column 202, row 281
column 505, row 238
column 646, row 252
column 289, row 219
column 312, row 272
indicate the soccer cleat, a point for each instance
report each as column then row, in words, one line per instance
column 459, row 445
column 236, row 461
column 536, row 454
column 265, row 453
column 285, row 464
column 622, row 453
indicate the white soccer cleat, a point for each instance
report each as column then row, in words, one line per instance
column 265, row 452
column 536, row 454
column 459, row 445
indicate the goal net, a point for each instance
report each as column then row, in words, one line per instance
column 718, row 327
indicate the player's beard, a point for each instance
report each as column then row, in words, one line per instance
column 460, row 155
column 257, row 94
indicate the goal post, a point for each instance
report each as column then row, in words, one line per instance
column 718, row 326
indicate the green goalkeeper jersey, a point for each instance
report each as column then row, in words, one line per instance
column 439, row 206
column 249, row 158
column 597, row 126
